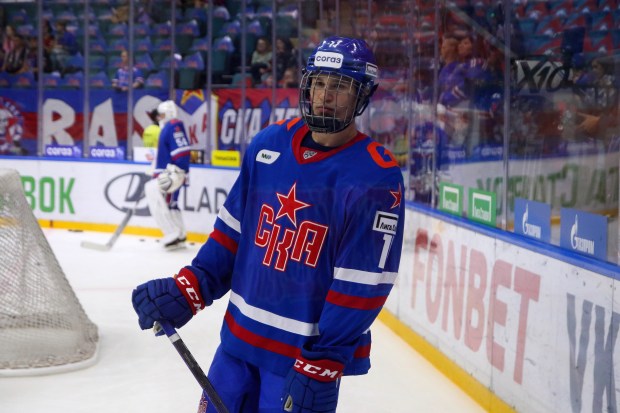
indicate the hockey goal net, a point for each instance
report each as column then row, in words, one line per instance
column 43, row 327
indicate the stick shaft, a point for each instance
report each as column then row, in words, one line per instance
column 193, row 366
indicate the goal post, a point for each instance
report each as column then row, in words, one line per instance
column 43, row 327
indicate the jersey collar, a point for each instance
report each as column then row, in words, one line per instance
column 306, row 155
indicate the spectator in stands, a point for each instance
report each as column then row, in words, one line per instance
column 266, row 81
column 120, row 81
column 16, row 60
column 448, row 54
column 598, row 104
column 261, row 59
column 48, row 36
column 144, row 11
column 8, row 39
column 285, row 56
column 33, row 57
column 120, row 14
column 65, row 45
column 289, row 78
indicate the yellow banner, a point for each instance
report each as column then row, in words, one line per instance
column 226, row 158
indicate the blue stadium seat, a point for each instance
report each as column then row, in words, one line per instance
column 96, row 63
column 189, row 28
column 98, row 46
column 118, row 30
column 224, row 43
column 119, row 45
column 161, row 29
column 232, row 29
column 52, row 81
column 200, row 44
column 142, row 30
column 170, row 61
column 194, row 61
column 5, row 81
column 75, row 80
column 22, row 80
column 159, row 80
column 144, row 45
column 99, row 80
column 163, row 45
column 145, row 63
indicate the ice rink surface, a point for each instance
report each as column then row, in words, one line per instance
column 137, row 372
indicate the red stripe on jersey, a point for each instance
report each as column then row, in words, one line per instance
column 180, row 155
column 259, row 341
column 224, row 240
column 362, row 352
column 352, row 301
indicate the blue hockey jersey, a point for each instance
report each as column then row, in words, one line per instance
column 173, row 147
column 308, row 243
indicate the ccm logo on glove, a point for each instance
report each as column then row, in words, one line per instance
column 188, row 284
column 321, row 370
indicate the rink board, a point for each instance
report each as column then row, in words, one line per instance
column 535, row 325
column 531, row 323
column 96, row 195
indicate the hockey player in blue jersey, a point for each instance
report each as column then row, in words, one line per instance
column 170, row 173
column 307, row 245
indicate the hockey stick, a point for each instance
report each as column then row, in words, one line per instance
column 108, row 245
column 191, row 363
column 119, row 230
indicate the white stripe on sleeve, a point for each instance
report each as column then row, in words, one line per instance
column 229, row 220
column 272, row 319
column 364, row 277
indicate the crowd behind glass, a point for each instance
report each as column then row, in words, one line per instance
column 498, row 84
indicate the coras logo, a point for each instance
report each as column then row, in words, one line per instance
column 328, row 59
column 372, row 70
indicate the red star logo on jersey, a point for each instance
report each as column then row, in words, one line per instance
column 398, row 195
column 289, row 205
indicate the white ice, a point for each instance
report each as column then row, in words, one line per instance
column 138, row 372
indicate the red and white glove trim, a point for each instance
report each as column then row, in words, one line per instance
column 321, row 370
column 188, row 284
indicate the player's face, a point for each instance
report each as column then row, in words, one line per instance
column 333, row 96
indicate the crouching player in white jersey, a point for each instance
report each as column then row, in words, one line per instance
column 308, row 244
column 170, row 173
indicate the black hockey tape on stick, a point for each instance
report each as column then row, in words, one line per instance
column 191, row 363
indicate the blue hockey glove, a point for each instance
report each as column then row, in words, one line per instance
column 173, row 299
column 313, row 384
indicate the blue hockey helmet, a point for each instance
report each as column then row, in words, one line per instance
column 350, row 67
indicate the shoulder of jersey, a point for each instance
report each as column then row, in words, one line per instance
column 277, row 130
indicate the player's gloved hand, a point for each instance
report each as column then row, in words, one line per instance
column 173, row 299
column 313, row 383
column 171, row 178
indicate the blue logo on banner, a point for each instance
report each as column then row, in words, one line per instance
column 107, row 152
column 533, row 219
column 63, row 151
column 584, row 232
